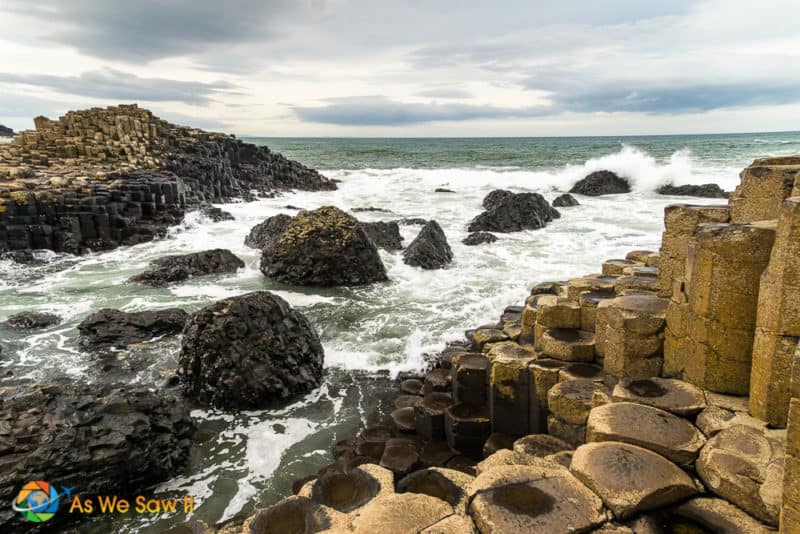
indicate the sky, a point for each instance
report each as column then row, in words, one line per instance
column 414, row 68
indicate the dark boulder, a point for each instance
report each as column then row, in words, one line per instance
column 429, row 249
column 494, row 198
column 5, row 131
column 216, row 214
column 385, row 235
column 412, row 221
column 101, row 439
column 565, row 201
column 479, row 238
column 705, row 190
column 370, row 209
column 31, row 320
column 521, row 211
column 177, row 268
column 114, row 328
column 266, row 233
column 601, row 183
column 249, row 351
column 324, row 247
column 443, row 190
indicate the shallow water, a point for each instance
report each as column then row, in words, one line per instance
column 370, row 333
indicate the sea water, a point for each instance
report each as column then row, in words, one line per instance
column 249, row 459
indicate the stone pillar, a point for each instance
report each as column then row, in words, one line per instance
column 764, row 185
column 790, row 508
column 724, row 268
column 778, row 321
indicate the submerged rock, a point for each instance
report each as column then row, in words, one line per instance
column 216, row 214
column 565, row 201
column 99, row 438
column 266, row 234
column 324, row 247
column 601, row 183
column 385, row 235
column 177, row 268
column 249, row 351
column 522, row 211
column 704, row 190
column 115, row 328
column 479, row 238
column 429, row 249
column 32, row 320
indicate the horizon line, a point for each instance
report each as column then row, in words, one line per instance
column 509, row 136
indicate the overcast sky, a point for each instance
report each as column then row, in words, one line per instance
column 414, row 68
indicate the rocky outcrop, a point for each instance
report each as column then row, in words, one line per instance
column 565, row 201
column 601, row 183
column 101, row 439
column 5, row 131
column 513, row 213
column 479, row 238
column 493, row 199
column 324, row 247
column 385, row 235
column 177, row 268
column 705, row 190
column 216, row 214
column 249, row 351
column 32, row 320
column 100, row 178
column 265, row 234
column 429, row 249
column 108, row 328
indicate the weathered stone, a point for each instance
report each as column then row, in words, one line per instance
column 412, row 386
column 497, row 441
column 448, row 485
column 345, row 492
column 400, row 514
column 519, row 211
column 639, row 256
column 265, row 234
column 400, row 456
column 509, row 402
column 430, row 415
column 704, row 190
column 437, row 380
column 540, row 445
column 467, row 428
column 114, row 328
column 294, row 514
column 674, row 396
column 672, row 437
column 630, row 479
column 430, row 249
column 714, row 419
column 479, row 238
column 505, row 457
column 719, row 516
column 170, row 269
column 487, row 336
column 470, row 379
column 615, row 267
column 385, row 235
column 601, row 183
column 32, row 320
column 493, row 198
column 454, row 524
column 571, row 433
column 770, row 376
column 406, row 401
column 571, row 400
column 595, row 283
column 763, row 187
column 589, row 300
column 563, row 458
column 249, row 351
column 558, row 312
column 575, row 371
column 565, row 201
column 568, row 344
column 404, row 419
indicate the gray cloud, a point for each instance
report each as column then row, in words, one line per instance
column 117, row 85
column 445, row 93
column 381, row 111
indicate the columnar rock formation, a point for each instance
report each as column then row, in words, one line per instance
column 99, row 178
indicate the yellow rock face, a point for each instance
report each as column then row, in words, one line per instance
column 764, row 185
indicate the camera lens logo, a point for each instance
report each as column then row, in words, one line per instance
column 37, row 501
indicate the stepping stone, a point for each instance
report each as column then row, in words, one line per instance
column 595, row 283
column 435, row 453
column 412, row 386
column 744, row 465
column 674, row 396
column 714, row 419
column 575, row 371
column 640, row 256
column 437, row 380
column 509, row 402
column 541, row 445
column 405, row 401
column 510, row 351
column 497, row 441
column 400, row 456
column 641, row 270
column 430, row 415
column 404, row 419
column 487, row 336
column 630, row 479
column 719, row 516
column 533, row 500
column 470, row 378
column 372, row 440
column 293, row 513
column 528, row 320
column 568, row 344
column 463, row 464
column 651, row 428
column 561, row 458
column 545, row 373
column 573, row 434
column 508, row 457
column 513, row 330
column 467, row 428
column 589, row 301
column 400, row 514
column 571, row 401
column 645, row 283
column 615, row 267
column 346, row 492
column 547, row 288
column 558, row 312
column 448, row 485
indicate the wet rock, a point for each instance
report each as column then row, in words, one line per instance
column 385, row 235
column 400, row 456
column 324, row 247
column 565, row 201
column 370, row 209
column 494, row 198
column 103, row 439
column 674, row 396
column 601, row 183
column 32, row 320
column 265, row 234
column 533, row 499
column 541, row 445
column 479, row 238
column 430, row 415
column 177, row 268
column 115, row 328
column 429, row 249
column 630, row 479
column 216, row 214
column 443, row 190
column 705, row 190
column 467, row 428
column 404, row 419
column 249, row 351
column 522, row 211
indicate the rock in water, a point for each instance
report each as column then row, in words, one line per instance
column 494, row 198
column 705, row 190
column 385, row 235
column 5, row 131
column 176, row 268
column 601, row 183
column 429, row 249
column 249, row 351
column 324, row 247
column 521, row 211
column 216, row 214
column 565, row 201
column 115, row 328
column 99, row 438
column 479, row 238
column 266, row 234
column 31, row 320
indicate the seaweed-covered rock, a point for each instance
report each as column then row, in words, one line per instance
column 324, row 247
column 32, row 320
column 249, row 351
column 704, row 190
column 522, row 211
column 601, row 183
column 180, row 267
column 479, row 238
column 385, row 235
column 115, row 328
column 266, row 234
column 565, row 201
column 429, row 249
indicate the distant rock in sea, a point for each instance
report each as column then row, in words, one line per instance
column 704, row 190
column 430, row 249
column 513, row 212
column 479, row 238
column 601, row 183
column 565, row 201
column 5, row 131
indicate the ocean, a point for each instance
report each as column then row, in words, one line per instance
column 370, row 334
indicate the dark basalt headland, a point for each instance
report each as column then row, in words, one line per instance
column 99, row 178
